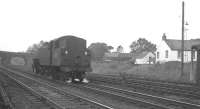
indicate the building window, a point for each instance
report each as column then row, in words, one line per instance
column 193, row 54
column 166, row 54
column 179, row 54
column 158, row 54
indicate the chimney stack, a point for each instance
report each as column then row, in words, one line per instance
column 164, row 37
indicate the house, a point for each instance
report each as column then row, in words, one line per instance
column 144, row 58
column 116, row 56
column 141, row 58
column 170, row 50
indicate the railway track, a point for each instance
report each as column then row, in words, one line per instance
column 19, row 92
column 6, row 102
column 147, row 85
column 146, row 100
column 131, row 96
column 58, row 97
column 18, row 96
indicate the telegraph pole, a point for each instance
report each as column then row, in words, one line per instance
column 182, row 44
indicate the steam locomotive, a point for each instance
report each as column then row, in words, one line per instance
column 65, row 58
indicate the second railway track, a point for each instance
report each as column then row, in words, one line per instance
column 159, row 87
column 146, row 98
column 149, row 101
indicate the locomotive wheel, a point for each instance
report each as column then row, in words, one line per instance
column 82, row 76
column 73, row 76
column 81, row 80
column 39, row 70
column 62, row 79
column 66, row 77
column 48, row 72
column 33, row 68
column 73, row 79
column 42, row 70
column 36, row 70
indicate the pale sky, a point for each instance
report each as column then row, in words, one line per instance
column 115, row 22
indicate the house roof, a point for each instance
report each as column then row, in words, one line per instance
column 142, row 55
column 176, row 44
column 197, row 47
column 125, row 56
column 128, row 55
column 117, row 54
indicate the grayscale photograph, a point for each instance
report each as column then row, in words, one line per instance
column 99, row 54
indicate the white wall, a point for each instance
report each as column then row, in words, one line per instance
column 172, row 54
column 161, row 48
column 145, row 60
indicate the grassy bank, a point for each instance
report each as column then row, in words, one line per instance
column 170, row 71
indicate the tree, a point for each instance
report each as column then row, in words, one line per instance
column 142, row 45
column 35, row 47
column 99, row 49
column 120, row 49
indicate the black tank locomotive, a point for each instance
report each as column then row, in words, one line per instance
column 65, row 58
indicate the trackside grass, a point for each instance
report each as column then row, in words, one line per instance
column 170, row 71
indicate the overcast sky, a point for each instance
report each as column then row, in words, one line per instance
column 115, row 22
